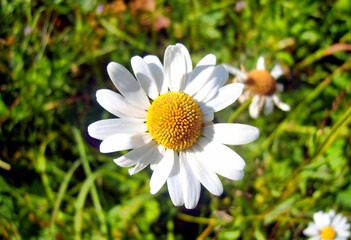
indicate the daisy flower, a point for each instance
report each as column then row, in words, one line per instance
column 261, row 84
column 165, row 116
column 328, row 226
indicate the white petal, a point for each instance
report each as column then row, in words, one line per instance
column 174, row 184
column 254, row 108
column 235, row 71
column 226, row 96
column 117, row 104
column 277, row 71
column 311, row 230
column 134, row 156
column 157, row 71
column 157, row 156
column 146, row 79
column 187, row 58
column 145, row 160
column 283, row 106
column 175, row 68
column 191, row 185
column 231, row 133
column 124, row 141
column 208, row 60
column 269, row 105
column 207, row 177
column 107, row 127
column 260, row 63
column 210, row 89
column 208, row 117
column 127, row 85
column 198, row 78
column 162, row 171
column 228, row 163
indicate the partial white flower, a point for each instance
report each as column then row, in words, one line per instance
column 165, row 115
column 328, row 226
column 262, row 85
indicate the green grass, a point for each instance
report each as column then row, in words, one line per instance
column 55, row 184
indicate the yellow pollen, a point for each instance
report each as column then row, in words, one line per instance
column 327, row 233
column 174, row 120
column 260, row 82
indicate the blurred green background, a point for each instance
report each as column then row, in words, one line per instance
column 54, row 182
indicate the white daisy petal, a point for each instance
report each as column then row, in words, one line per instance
column 208, row 117
column 175, row 68
column 226, row 96
column 134, row 156
column 283, row 106
column 157, row 71
column 254, row 108
column 191, row 185
column 261, row 63
column 198, row 78
column 229, row 164
column 157, row 156
column 235, row 71
column 210, row 89
column 117, row 105
column 208, row 60
column 206, row 176
column 145, row 160
column 277, row 71
column 187, row 58
column 162, row 171
column 107, row 127
column 127, row 85
column 144, row 76
column 269, row 105
column 311, row 230
column 124, row 141
column 175, row 185
column 231, row 133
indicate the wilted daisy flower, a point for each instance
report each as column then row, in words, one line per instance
column 262, row 85
column 165, row 115
column 328, row 226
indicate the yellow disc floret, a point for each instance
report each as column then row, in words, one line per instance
column 327, row 233
column 174, row 120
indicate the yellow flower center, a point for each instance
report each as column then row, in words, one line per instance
column 260, row 82
column 174, row 120
column 328, row 233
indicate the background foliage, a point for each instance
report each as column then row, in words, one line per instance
column 54, row 183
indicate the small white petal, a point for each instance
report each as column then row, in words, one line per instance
column 311, row 230
column 277, row 71
column 235, row 71
column 175, row 68
column 206, row 176
column 208, row 60
column 157, row 71
column 191, row 185
column 146, row 79
column 134, row 156
column 157, row 156
column 107, row 127
column 210, row 89
column 208, row 117
column 283, row 106
column 127, row 85
column 124, row 141
column 198, row 78
column 174, row 184
column 162, row 171
column 226, row 96
column 117, row 104
column 231, row 133
column 269, row 105
column 254, row 108
column 261, row 63
column 229, row 164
